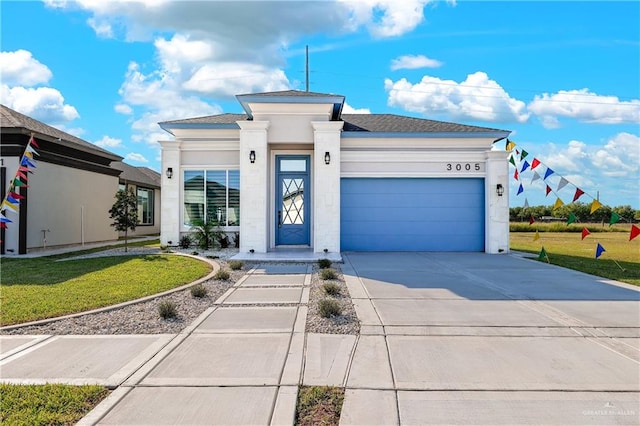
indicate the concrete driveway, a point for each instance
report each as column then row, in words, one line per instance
column 470, row 338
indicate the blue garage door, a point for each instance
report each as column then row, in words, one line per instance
column 399, row 214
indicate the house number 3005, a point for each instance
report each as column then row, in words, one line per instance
column 463, row 166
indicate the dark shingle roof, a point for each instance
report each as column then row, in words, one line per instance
column 13, row 119
column 210, row 119
column 138, row 175
column 392, row 123
column 300, row 93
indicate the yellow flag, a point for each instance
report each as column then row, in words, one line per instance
column 510, row 145
column 558, row 204
column 536, row 237
column 595, row 205
column 8, row 205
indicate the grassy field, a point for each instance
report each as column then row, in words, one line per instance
column 38, row 288
column 47, row 404
column 570, row 251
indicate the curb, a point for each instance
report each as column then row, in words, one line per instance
column 215, row 267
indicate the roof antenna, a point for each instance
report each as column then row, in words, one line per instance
column 307, row 67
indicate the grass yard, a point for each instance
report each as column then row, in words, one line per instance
column 47, row 404
column 38, row 288
column 570, row 251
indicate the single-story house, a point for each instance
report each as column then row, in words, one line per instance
column 294, row 171
column 67, row 196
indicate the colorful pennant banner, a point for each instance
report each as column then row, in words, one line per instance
column 12, row 199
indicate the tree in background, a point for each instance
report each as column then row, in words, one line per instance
column 124, row 213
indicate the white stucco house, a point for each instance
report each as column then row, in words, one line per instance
column 294, row 171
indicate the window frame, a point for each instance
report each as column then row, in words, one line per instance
column 227, row 171
column 151, row 193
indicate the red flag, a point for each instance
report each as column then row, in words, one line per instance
column 32, row 141
column 3, row 225
column 635, row 231
column 531, row 220
column 22, row 175
column 585, row 232
column 579, row 192
column 515, row 174
column 535, row 163
column 548, row 190
column 16, row 195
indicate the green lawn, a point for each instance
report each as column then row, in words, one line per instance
column 38, row 288
column 47, row 404
column 570, row 251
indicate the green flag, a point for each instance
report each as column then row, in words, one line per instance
column 543, row 255
column 572, row 219
column 511, row 160
column 615, row 217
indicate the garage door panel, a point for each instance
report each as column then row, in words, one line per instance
column 399, row 214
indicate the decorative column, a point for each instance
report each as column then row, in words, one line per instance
column 326, row 186
column 254, row 186
column 496, row 206
column 170, row 206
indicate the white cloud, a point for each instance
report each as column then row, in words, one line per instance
column 413, row 62
column 386, row 18
column 233, row 78
column 109, row 142
column 43, row 103
column 102, row 28
column 348, row 109
column 181, row 50
column 135, row 157
column 476, row 98
column 620, row 156
column 584, row 106
column 20, row 68
column 123, row 109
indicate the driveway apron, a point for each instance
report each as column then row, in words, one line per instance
column 471, row 338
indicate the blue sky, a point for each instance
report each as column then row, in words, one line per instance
column 563, row 76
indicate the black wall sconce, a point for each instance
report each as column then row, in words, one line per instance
column 169, row 172
column 252, row 156
column 327, row 158
column 499, row 189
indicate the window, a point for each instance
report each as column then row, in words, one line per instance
column 212, row 196
column 145, row 206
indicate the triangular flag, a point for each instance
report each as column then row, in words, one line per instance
column 563, row 182
column 520, row 190
column 635, row 231
column 536, row 236
column 572, row 219
column 526, row 203
column 524, row 166
column 25, row 162
column 515, row 174
column 7, row 205
column 579, row 192
column 557, row 204
column 3, row 226
column 512, row 161
column 16, row 195
column 28, row 154
column 535, row 177
column 615, row 217
column 32, row 141
column 4, row 219
column 30, row 150
column 548, row 173
column 595, row 206
column 25, row 169
column 543, row 255
column 22, row 175
column 599, row 250
column 535, row 163
column 510, row 145
column 585, row 232
column 12, row 200
column 524, row 154
column 18, row 182
column 531, row 220
column 548, row 190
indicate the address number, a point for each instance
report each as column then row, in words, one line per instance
column 463, row 166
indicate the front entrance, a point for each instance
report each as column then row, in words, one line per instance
column 292, row 200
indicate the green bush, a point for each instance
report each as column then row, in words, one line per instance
column 329, row 308
column 328, row 274
column 331, row 289
column 199, row 291
column 167, row 310
column 206, row 234
column 221, row 275
column 236, row 265
column 324, row 263
column 185, row 242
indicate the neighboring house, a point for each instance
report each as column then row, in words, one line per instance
column 293, row 171
column 145, row 183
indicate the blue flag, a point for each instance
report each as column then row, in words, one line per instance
column 548, row 173
column 599, row 250
column 525, row 165
column 520, row 189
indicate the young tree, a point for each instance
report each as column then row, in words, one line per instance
column 124, row 213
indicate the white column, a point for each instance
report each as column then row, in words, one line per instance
column 496, row 206
column 254, row 187
column 170, row 206
column 326, row 186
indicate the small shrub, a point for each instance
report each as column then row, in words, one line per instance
column 221, row 275
column 329, row 308
column 236, row 265
column 212, row 256
column 167, row 310
column 331, row 289
column 194, row 253
column 199, row 291
column 324, row 263
column 328, row 274
column 185, row 242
